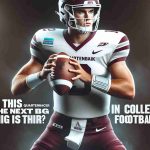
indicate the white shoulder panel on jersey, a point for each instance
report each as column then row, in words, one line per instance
column 42, row 43
column 118, row 43
column 122, row 49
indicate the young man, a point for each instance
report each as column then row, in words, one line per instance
column 80, row 119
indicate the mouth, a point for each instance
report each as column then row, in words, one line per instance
column 88, row 24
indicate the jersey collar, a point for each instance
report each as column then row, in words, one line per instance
column 76, row 48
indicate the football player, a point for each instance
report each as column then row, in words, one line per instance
column 80, row 119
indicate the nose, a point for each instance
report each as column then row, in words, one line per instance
column 87, row 15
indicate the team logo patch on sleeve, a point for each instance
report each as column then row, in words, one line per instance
column 48, row 41
column 102, row 44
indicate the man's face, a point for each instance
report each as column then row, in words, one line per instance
column 84, row 16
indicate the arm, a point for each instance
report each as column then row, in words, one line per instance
column 122, row 83
column 19, row 85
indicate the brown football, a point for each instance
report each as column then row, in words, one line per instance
column 62, row 81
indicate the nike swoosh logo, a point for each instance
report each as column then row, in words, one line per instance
column 93, row 52
column 98, row 130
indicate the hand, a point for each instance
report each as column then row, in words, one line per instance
column 48, row 67
column 80, row 72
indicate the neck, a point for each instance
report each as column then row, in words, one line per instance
column 76, row 36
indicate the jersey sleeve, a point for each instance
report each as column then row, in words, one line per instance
column 36, row 49
column 121, row 52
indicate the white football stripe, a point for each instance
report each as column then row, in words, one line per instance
column 120, row 54
column 63, row 56
column 33, row 42
column 122, row 44
column 61, row 82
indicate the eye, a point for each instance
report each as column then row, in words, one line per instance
column 79, row 12
column 91, row 11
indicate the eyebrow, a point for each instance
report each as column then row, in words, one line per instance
column 82, row 9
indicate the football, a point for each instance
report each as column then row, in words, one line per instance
column 62, row 81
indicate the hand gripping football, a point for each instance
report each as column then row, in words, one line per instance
column 62, row 81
